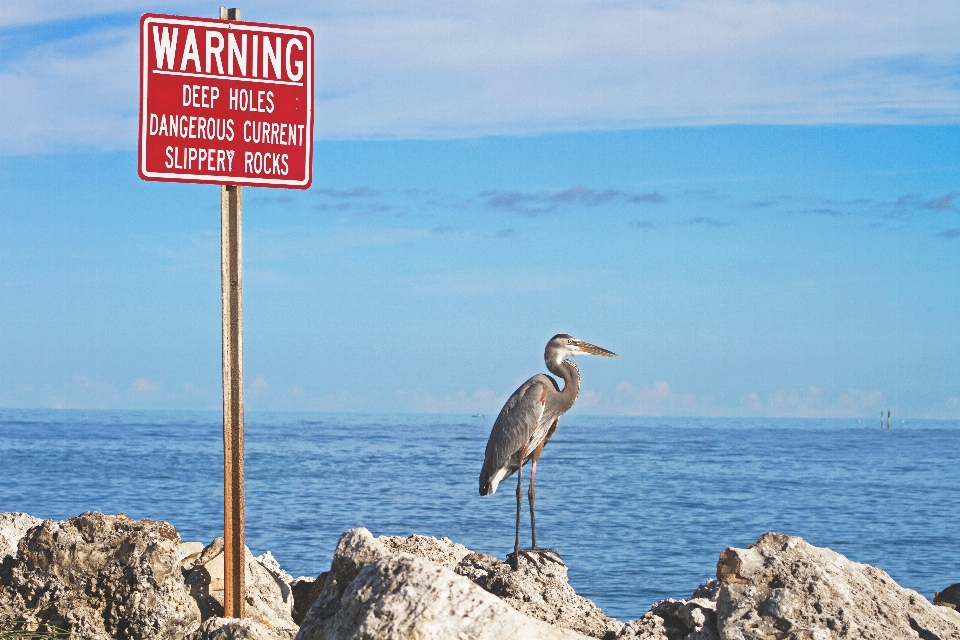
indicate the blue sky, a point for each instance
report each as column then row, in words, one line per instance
column 756, row 204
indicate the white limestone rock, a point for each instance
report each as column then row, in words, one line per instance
column 99, row 576
column 13, row 526
column 782, row 587
column 402, row 596
column 269, row 596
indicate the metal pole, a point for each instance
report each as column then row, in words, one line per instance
column 234, row 571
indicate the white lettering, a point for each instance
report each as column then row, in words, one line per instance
column 298, row 64
column 164, row 46
column 237, row 53
column 190, row 52
column 214, row 50
column 270, row 101
column 169, row 163
column 154, row 124
column 272, row 56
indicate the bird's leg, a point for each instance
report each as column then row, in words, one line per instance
column 515, row 559
column 536, row 552
column 531, row 493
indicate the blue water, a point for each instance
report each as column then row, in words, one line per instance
column 639, row 508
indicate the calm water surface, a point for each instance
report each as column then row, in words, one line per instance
column 639, row 508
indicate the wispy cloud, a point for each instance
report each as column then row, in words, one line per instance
column 352, row 192
column 657, row 400
column 698, row 221
column 434, row 70
column 142, row 385
column 706, row 221
column 950, row 233
column 814, row 402
column 533, row 203
column 483, row 401
column 943, row 203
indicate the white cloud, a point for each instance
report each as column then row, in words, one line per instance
column 658, row 400
column 433, row 69
column 484, row 401
column 141, row 385
column 814, row 402
column 258, row 388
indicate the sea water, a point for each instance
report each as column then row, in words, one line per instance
column 639, row 508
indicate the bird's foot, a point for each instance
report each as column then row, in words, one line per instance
column 534, row 556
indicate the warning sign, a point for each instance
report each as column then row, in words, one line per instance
column 225, row 102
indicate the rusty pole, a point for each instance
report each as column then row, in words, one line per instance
column 234, row 571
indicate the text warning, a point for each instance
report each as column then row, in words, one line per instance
column 225, row 102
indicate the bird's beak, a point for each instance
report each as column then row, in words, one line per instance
column 593, row 349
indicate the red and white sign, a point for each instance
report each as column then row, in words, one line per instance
column 225, row 102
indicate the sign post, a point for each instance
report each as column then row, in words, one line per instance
column 231, row 286
column 229, row 103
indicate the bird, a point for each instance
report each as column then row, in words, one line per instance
column 527, row 421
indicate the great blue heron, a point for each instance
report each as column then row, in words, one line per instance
column 530, row 418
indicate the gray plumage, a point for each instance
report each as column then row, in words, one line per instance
column 530, row 418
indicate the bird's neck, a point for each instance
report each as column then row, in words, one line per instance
column 567, row 370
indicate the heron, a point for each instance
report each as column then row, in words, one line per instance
column 527, row 421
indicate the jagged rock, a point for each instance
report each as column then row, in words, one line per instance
column 238, row 629
column 782, row 587
column 99, row 576
column 444, row 551
column 268, row 562
column 12, row 527
column 356, row 549
column 305, row 593
column 402, row 596
column 538, row 588
column 269, row 597
column 949, row 597
column 189, row 552
column 694, row 619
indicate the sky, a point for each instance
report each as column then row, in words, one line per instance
column 756, row 204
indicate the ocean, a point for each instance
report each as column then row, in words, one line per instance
column 639, row 508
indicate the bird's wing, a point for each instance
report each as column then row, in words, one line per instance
column 516, row 423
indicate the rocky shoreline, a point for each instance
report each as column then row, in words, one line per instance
column 102, row 576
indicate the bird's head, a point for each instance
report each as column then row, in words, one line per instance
column 564, row 345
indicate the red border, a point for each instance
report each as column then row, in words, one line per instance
column 218, row 179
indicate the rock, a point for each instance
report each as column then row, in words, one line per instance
column 188, row 552
column 237, row 629
column 356, row 549
column 949, row 597
column 268, row 562
column 12, row 527
column 539, row 589
column 694, row 619
column 99, row 576
column 444, row 551
column 402, row 596
column 305, row 593
column 782, row 587
column 269, row 597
